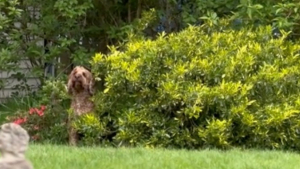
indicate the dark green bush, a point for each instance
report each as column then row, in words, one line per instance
column 279, row 13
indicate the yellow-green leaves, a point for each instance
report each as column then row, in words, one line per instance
column 216, row 133
column 91, row 126
column 196, row 89
column 97, row 58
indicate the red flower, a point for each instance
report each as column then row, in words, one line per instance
column 40, row 112
column 31, row 110
column 20, row 121
column 43, row 107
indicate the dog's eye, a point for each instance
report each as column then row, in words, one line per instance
column 84, row 74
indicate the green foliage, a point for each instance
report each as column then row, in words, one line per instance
column 280, row 14
column 9, row 14
column 91, row 127
column 76, row 30
column 199, row 88
column 192, row 89
column 46, row 120
column 54, row 95
column 39, row 124
column 16, row 104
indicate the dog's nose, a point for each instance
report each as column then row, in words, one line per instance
column 76, row 76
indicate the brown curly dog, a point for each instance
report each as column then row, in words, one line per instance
column 81, row 87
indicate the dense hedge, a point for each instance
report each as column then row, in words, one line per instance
column 72, row 32
column 191, row 90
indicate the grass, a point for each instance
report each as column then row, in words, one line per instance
column 64, row 157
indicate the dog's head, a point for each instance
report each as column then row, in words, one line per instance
column 80, row 79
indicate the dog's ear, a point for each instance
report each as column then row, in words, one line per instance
column 70, row 82
column 69, row 85
column 92, row 86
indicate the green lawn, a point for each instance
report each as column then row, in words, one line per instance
column 63, row 157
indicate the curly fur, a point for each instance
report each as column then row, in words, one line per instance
column 81, row 87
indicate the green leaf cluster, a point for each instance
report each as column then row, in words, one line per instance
column 90, row 126
column 192, row 89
